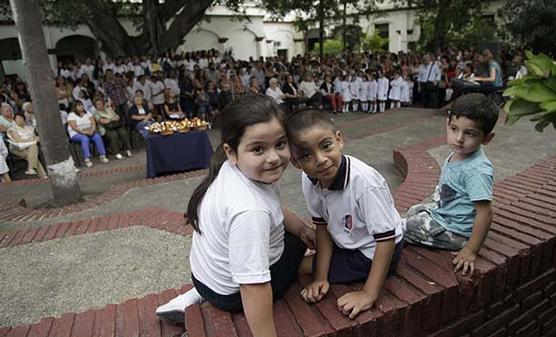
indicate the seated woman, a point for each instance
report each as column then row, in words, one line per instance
column 30, row 117
column 140, row 117
column 276, row 93
column 24, row 144
column 331, row 93
column 293, row 95
column 172, row 107
column 109, row 124
column 310, row 91
column 493, row 81
column 82, row 129
column 202, row 103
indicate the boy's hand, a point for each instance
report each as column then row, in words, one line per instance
column 315, row 291
column 464, row 260
column 351, row 304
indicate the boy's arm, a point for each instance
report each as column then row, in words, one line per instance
column 465, row 258
column 356, row 301
column 299, row 228
column 318, row 288
column 257, row 305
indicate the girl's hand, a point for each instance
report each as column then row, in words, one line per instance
column 351, row 304
column 315, row 291
column 308, row 236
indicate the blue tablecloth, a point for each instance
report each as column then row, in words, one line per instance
column 177, row 152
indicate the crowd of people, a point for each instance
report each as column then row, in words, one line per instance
column 103, row 100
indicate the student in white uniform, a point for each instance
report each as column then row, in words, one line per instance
column 359, row 230
column 364, row 93
column 245, row 250
column 405, row 92
column 373, row 91
column 346, row 92
column 354, row 87
column 395, row 91
column 382, row 91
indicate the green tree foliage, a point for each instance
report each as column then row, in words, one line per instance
column 532, row 24
column 332, row 47
column 162, row 25
column 443, row 21
column 374, row 43
column 534, row 95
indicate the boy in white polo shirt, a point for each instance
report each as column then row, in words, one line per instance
column 359, row 231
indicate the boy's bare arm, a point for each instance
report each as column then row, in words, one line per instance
column 257, row 305
column 299, row 228
column 318, row 288
column 465, row 258
column 354, row 302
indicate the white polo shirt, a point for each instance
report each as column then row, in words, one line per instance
column 242, row 232
column 357, row 208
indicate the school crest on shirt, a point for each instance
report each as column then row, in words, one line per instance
column 348, row 223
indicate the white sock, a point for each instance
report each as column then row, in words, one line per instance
column 355, row 107
column 182, row 301
column 382, row 106
column 398, row 104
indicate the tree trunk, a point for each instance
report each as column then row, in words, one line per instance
column 321, row 28
column 105, row 26
column 192, row 12
column 344, row 31
column 54, row 142
column 155, row 37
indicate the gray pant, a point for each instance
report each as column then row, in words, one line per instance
column 422, row 229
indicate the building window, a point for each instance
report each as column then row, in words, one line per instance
column 277, row 43
column 383, row 30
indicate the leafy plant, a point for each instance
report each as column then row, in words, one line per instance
column 534, row 95
column 374, row 43
column 332, row 47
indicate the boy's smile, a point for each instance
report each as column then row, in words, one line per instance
column 464, row 136
column 318, row 152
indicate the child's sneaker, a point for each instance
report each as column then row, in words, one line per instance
column 128, row 153
column 104, row 160
column 88, row 163
column 119, row 156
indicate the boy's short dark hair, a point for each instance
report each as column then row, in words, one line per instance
column 307, row 118
column 478, row 108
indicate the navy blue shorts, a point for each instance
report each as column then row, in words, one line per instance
column 282, row 275
column 347, row 265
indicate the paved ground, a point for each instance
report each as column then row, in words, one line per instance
column 90, row 271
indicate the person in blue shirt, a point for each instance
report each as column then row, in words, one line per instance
column 459, row 217
column 494, row 80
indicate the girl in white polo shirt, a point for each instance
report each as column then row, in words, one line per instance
column 243, row 254
column 359, row 231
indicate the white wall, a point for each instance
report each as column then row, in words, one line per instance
column 285, row 34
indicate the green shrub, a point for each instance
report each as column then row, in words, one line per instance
column 534, row 95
